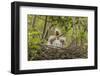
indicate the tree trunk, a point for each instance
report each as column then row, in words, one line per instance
column 47, row 31
column 33, row 22
column 44, row 27
column 74, row 30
